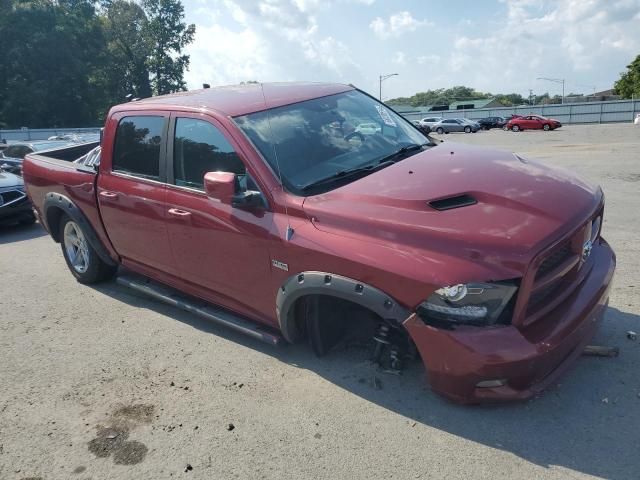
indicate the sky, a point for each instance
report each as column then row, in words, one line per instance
column 490, row 45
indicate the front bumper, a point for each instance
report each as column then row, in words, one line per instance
column 16, row 211
column 527, row 359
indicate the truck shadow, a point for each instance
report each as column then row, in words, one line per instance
column 19, row 233
column 587, row 423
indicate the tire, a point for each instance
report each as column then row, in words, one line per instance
column 546, row 127
column 515, row 128
column 439, row 130
column 82, row 259
column 467, row 129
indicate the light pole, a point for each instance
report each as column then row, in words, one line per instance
column 382, row 79
column 555, row 80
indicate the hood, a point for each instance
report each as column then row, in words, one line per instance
column 10, row 180
column 520, row 206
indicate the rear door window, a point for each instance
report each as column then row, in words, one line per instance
column 137, row 146
column 198, row 148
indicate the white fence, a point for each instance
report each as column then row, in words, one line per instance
column 41, row 133
column 589, row 112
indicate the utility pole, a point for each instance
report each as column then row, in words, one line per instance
column 530, row 97
column 555, row 80
column 382, row 79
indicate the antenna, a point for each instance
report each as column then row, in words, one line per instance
column 290, row 230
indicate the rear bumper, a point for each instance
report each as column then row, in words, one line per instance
column 526, row 360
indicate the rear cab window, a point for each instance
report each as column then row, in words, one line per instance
column 137, row 146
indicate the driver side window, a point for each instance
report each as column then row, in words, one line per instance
column 198, row 148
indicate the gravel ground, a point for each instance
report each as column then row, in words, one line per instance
column 102, row 383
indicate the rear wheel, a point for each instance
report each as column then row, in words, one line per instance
column 515, row 128
column 81, row 257
column 546, row 127
column 440, row 130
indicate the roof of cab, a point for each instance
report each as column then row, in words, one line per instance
column 237, row 100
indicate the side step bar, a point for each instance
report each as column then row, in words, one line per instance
column 205, row 310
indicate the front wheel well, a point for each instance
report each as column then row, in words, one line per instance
column 325, row 320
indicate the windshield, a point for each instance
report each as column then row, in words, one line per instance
column 319, row 138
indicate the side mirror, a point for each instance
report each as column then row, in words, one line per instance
column 220, row 186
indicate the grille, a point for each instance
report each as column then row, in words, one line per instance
column 554, row 260
column 10, row 196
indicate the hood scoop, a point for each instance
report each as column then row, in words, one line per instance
column 449, row 203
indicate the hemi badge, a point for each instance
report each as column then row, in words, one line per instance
column 280, row 265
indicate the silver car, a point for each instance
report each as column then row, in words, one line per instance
column 449, row 125
column 430, row 121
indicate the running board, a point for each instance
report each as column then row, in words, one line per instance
column 198, row 307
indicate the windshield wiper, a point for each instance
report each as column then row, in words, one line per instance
column 401, row 151
column 344, row 174
column 365, row 170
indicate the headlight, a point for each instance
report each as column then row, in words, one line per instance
column 468, row 304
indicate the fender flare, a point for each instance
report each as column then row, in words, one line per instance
column 68, row 207
column 324, row 283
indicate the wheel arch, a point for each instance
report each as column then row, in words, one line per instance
column 55, row 206
column 308, row 283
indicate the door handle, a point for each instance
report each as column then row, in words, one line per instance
column 107, row 194
column 176, row 212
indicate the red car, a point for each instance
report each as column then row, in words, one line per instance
column 532, row 122
column 260, row 207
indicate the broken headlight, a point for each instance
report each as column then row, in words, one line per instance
column 478, row 304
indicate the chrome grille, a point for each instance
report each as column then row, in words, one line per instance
column 8, row 197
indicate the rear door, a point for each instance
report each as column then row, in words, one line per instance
column 216, row 246
column 132, row 190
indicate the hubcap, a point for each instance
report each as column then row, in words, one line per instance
column 76, row 247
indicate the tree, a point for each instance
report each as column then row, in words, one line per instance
column 168, row 35
column 128, row 50
column 629, row 84
column 447, row 96
column 51, row 51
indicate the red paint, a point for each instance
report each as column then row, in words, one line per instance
column 378, row 230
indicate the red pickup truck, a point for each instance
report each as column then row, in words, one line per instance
column 264, row 208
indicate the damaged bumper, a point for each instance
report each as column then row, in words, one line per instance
column 503, row 363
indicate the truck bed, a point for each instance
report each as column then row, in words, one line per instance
column 54, row 172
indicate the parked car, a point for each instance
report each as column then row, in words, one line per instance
column 245, row 199
column 532, row 122
column 449, row 125
column 469, row 121
column 430, row 121
column 488, row 123
column 637, row 120
column 425, row 129
column 15, row 152
column 15, row 207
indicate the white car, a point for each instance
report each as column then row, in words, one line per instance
column 637, row 120
column 368, row 128
column 430, row 121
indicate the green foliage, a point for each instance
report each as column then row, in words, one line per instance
column 65, row 62
column 447, row 96
column 168, row 35
column 629, row 84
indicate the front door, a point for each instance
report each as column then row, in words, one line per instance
column 217, row 247
column 132, row 191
